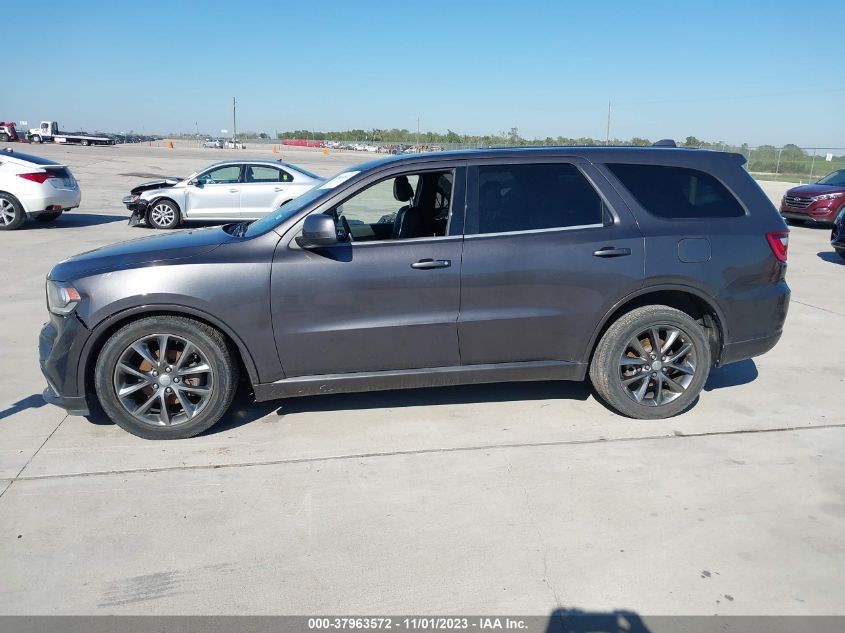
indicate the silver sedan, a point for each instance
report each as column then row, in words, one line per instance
column 227, row 191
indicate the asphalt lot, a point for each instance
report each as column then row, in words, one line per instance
column 518, row 498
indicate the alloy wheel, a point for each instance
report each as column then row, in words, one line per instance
column 163, row 214
column 657, row 365
column 163, row 380
column 7, row 212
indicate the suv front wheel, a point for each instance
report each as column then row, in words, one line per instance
column 651, row 363
column 166, row 377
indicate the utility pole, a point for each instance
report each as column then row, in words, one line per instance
column 609, row 109
column 418, row 132
column 234, row 119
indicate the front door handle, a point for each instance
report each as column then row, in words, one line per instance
column 233, row 190
column 428, row 263
column 279, row 189
column 609, row 251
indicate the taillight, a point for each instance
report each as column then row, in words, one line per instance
column 780, row 244
column 40, row 177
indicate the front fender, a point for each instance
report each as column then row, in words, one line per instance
column 103, row 329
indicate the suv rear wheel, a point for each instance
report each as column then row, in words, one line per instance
column 651, row 363
column 166, row 377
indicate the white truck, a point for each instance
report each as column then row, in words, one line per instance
column 49, row 131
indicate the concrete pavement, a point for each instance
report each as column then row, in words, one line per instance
column 518, row 498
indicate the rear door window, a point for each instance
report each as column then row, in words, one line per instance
column 528, row 197
column 677, row 192
column 263, row 173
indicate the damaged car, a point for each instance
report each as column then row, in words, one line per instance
column 228, row 191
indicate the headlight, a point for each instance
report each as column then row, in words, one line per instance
column 62, row 298
column 827, row 196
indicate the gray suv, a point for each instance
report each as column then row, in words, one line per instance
column 642, row 267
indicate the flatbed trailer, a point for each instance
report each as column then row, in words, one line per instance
column 49, row 132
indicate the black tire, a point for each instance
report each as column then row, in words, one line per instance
column 35, row 138
column 48, row 217
column 164, row 214
column 4, row 137
column 12, row 214
column 210, row 348
column 86, row 143
column 607, row 370
column 840, row 252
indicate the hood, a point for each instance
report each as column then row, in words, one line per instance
column 161, row 183
column 145, row 250
column 808, row 191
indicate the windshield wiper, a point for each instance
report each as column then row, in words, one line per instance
column 239, row 230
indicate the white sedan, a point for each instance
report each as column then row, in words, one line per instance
column 227, row 191
column 35, row 187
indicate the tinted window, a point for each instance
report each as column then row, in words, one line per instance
column 677, row 192
column 528, row 197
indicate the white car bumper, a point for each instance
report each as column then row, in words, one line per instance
column 45, row 199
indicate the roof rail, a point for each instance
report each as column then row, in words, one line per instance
column 665, row 142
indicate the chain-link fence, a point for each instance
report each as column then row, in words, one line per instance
column 789, row 163
column 792, row 163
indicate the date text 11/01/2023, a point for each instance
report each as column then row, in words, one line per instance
column 417, row 623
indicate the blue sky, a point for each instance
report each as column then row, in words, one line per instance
column 755, row 72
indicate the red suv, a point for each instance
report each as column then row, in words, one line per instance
column 819, row 202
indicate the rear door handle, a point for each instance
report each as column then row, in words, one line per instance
column 279, row 189
column 233, row 190
column 609, row 251
column 428, row 263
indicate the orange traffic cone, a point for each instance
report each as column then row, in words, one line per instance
column 325, row 151
column 275, row 149
column 170, row 145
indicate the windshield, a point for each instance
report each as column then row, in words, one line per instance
column 272, row 220
column 296, row 205
column 837, row 179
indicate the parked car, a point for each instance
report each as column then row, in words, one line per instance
column 213, row 143
column 819, row 202
column 33, row 186
column 837, row 235
column 643, row 267
column 226, row 191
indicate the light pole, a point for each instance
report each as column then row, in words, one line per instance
column 234, row 120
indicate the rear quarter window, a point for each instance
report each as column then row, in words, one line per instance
column 677, row 192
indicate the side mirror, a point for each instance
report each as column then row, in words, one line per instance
column 318, row 230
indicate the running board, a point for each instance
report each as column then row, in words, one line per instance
column 415, row 378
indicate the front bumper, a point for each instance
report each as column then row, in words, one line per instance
column 74, row 405
column 60, row 346
column 816, row 212
column 135, row 205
